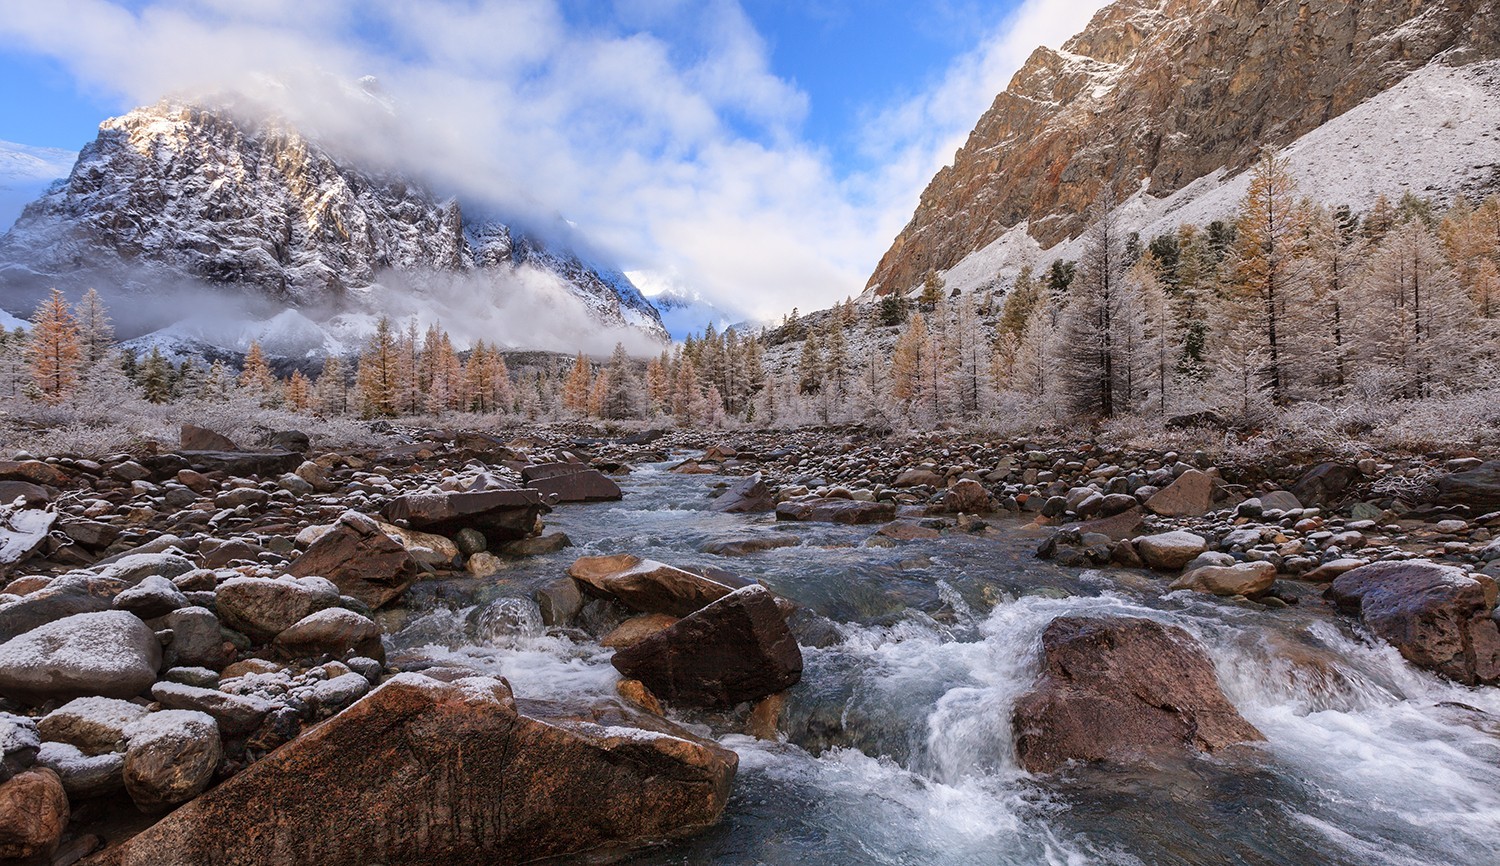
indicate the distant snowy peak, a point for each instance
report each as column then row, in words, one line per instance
column 683, row 311
column 241, row 202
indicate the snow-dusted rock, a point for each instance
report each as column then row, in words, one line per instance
column 1169, row 551
column 110, row 653
column 19, row 741
column 172, row 757
column 154, row 596
column 264, row 607
column 93, row 725
column 83, row 775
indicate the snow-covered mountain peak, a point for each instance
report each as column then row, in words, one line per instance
column 226, row 196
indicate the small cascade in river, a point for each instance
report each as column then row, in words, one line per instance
column 898, row 748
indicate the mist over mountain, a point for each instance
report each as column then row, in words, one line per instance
column 224, row 209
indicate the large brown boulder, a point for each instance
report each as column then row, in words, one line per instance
column 1118, row 689
column 33, row 815
column 1438, row 616
column 501, row 515
column 848, row 511
column 647, row 585
column 737, row 649
column 361, row 560
column 195, row 438
column 1478, row 488
column 571, row 482
column 967, row 496
column 749, row 495
column 426, row 772
column 1191, row 495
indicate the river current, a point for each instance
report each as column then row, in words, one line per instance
column 897, row 741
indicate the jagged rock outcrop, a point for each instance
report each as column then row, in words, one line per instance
column 227, row 195
column 1159, row 93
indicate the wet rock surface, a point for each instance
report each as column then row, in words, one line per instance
column 450, row 747
column 1121, row 689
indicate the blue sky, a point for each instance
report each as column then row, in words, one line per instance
column 851, row 57
column 761, row 153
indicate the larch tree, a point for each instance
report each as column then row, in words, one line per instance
column 299, row 395
column 331, row 391
column 835, row 357
column 1160, row 347
column 623, row 396
column 54, row 349
column 15, row 369
column 1094, row 362
column 906, row 360
column 578, row 386
column 1413, row 313
column 379, row 378
column 1269, row 232
column 256, row 376
column 686, row 392
column 932, row 294
column 502, row 391
column 96, row 333
column 1328, row 269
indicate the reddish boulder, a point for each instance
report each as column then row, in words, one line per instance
column 195, row 438
column 426, row 772
column 1191, row 495
column 33, row 815
column 1438, row 617
column 737, row 649
column 571, row 482
column 967, row 496
column 361, row 560
column 1478, row 488
column 1118, row 689
column 647, row 585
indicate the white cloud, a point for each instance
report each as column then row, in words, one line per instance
column 688, row 164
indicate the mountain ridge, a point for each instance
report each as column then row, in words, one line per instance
column 1157, row 94
column 250, row 206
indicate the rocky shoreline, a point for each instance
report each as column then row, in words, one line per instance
column 199, row 629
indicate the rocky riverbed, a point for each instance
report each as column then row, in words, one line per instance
column 823, row 646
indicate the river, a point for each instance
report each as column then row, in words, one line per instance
column 898, row 743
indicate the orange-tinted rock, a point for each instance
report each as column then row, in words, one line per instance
column 33, row 814
column 1118, row 689
column 362, row 561
column 737, row 649
column 647, row 585
column 426, row 772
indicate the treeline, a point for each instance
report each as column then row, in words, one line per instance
column 1289, row 302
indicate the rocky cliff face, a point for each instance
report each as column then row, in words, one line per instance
column 1158, row 93
column 243, row 201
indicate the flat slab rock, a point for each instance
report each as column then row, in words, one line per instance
column 1439, row 617
column 646, row 585
column 847, row 511
column 571, row 482
column 426, row 772
column 501, row 515
column 1120, row 689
